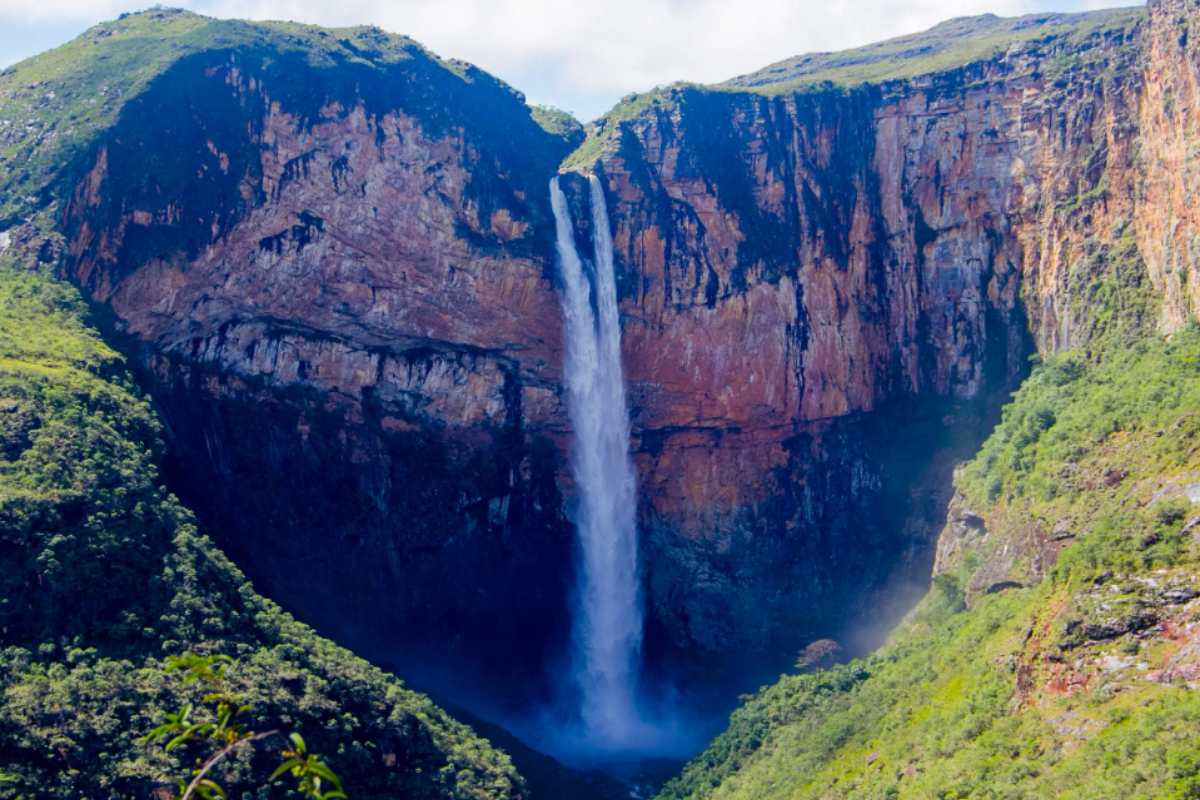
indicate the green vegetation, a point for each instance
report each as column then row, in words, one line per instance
column 558, row 122
column 1109, row 297
column 218, row 719
column 1042, row 691
column 603, row 133
column 1071, row 406
column 945, row 47
column 105, row 575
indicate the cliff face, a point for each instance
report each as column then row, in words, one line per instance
column 1157, row 210
column 798, row 263
column 336, row 274
column 1064, row 617
column 336, row 281
column 1169, row 125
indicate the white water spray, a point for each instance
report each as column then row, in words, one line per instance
column 608, row 628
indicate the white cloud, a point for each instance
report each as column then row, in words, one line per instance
column 583, row 56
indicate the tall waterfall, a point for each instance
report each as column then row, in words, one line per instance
column 608, row 627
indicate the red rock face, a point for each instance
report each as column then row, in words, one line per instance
column 362, row 252
column 817, row 256
column 347, row 317
column 366, row 243
column 816, row 287
column 1168, row 211
column 802, row 257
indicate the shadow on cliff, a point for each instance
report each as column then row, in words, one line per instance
column 864, row 495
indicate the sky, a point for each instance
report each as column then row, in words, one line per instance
column 577, row 55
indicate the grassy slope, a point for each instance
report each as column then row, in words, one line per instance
column 944, row 48
column 1032, row 692
column 103, row 574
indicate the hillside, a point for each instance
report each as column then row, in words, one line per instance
column 378, row 187
column 55, row 107
column 1058, row 652
column 105, row 574
column 943, row 48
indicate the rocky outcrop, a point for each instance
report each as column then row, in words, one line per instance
column 1155, row 214
column 1022, row 556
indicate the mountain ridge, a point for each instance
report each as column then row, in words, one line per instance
column 908, row 55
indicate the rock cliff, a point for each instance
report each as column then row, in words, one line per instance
column 815, row 272
column 328, row 252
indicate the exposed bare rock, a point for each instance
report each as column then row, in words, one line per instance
column 964, row 532
column 799, row 258
column 1168, row 211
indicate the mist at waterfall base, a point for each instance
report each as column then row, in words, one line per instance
column 605, row 713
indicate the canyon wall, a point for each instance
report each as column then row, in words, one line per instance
column 813, row 279
column 1158, row 177
column 338, row 282
column 1168, row 219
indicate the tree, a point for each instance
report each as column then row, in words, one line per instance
column 216, row 725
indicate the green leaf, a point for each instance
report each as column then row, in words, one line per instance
column 209, row 789
column 284, row 767
column 177, row 741
column 318, row 767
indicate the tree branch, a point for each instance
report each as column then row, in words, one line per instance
column 220, row 754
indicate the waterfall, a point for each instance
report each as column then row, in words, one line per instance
column 608, row 625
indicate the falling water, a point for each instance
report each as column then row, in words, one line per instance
column 608, row 628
